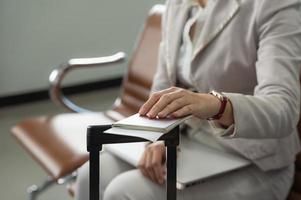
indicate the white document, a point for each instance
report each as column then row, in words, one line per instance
column 144, row 127
column 148, row 135
column 138, row 122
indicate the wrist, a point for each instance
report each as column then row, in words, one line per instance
column 227, row 119
column 209, row 105
column 223, row 100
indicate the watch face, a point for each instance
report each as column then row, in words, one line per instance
column 219, row 96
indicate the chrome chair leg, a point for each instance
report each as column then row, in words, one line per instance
column 34, row 191
column 67, row 179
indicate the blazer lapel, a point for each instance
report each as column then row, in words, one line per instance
column 222, row 13
column 174, row 27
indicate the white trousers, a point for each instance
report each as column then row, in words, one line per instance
column 120, row 181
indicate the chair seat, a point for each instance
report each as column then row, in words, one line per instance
column 58, row 143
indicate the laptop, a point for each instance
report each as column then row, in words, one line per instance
column 196, row 162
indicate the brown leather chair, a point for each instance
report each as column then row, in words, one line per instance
column 57, row 143
column 66, row 151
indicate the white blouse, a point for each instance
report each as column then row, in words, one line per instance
column 197, row 16
column 200, row 130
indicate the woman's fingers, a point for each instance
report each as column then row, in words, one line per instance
column 149, row 167
column 184, row 111
column 142, row 164
column 145, row 108
column 151, row 163
column 163, row 102
column 149, row 103
column 176, row 102
column 158, row 166
column 172, row 107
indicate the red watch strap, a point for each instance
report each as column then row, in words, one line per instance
column 224, row 100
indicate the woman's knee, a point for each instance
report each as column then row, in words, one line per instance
column 111, row 166
column 132, row 185
column 82, row 182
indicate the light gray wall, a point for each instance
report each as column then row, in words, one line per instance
column 36, row 36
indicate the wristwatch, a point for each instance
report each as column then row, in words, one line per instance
column 224, row 100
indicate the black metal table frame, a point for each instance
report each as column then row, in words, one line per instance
column 96, row 139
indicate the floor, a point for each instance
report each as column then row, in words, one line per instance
column 17, row 169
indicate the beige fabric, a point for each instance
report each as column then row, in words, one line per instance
column 119, row 181
column 251, row 51
column 197, row 15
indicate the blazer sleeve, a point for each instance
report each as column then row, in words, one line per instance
column 273, row 110
column 160, row 80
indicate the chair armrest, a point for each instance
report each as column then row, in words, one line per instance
column 57, row 75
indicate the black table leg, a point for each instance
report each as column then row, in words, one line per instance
column 95, row 140
column 171, row 186
column 94, row 175
column 94, row 147
column 171, row 162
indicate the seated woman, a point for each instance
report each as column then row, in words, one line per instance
column 249, row 51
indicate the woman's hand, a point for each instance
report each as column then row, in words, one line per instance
column 152, row 163
column 178, row 102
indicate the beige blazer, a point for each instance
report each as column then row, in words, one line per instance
column 251, row 51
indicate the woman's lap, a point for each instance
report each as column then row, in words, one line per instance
column 121, row 181
column 132, row 185
column 110, row 167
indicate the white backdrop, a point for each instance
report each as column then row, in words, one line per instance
column 37, row 35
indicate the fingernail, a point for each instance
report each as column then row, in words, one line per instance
column 149, row 115
column 141, row 111
column 161, row 115
column 174, row 115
